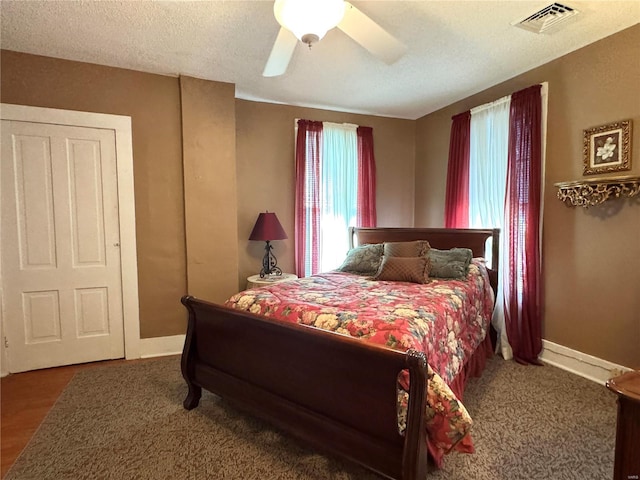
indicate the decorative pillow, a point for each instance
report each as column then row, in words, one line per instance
column 452, row 263
column 416, row 248
column 363, row 259
column 404, row 269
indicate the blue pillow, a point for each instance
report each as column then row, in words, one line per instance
column 363, row 260
column 452, row 263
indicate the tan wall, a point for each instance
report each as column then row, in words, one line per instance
column 209, row 159
column 591, row 257
column 171, row 116
column 266, row 177
column 591, row 271
column 153, row 103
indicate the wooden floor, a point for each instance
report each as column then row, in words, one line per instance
column 26, row 398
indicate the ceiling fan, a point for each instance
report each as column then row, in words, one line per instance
column 309, row 20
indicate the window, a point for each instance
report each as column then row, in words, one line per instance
column 335, row 189
column 494, row 180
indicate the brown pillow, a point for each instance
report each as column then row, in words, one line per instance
column 404, row 269
column 417, row 248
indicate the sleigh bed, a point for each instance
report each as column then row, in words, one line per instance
column 347, row 396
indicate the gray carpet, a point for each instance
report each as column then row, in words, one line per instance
column 127, row 422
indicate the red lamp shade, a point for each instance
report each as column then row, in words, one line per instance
column 267, row 228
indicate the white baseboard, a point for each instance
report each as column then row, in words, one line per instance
column 587, row 366
column 4, row 371
column 149, row 347
column 161, row 346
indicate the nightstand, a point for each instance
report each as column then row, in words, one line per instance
column 627, row 460
column 254, row 281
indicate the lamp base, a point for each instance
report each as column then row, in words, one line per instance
column 269, row 262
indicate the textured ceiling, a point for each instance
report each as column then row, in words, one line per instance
column 456, row 48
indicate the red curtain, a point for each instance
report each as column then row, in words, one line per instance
column 366, row 209
column 522, row 290
column 307, row 201
column 456, row 207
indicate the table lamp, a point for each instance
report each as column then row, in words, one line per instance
column 268, row 228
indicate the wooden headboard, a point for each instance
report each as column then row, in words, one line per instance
column 440, row 238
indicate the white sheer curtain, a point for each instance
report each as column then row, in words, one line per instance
column 338, row 191
column 489, row 142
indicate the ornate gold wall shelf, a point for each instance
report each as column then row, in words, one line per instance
column 594, row 191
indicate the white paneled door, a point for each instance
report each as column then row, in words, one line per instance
column 61, row 278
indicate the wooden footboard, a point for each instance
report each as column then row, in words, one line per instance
column 335, row 393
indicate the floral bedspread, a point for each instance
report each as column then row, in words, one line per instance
column 446, row 319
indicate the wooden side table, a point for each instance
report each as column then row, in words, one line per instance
column 627, row 462
column 255, row 281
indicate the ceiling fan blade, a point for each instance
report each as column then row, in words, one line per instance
column 280, row 53
column 371, row 35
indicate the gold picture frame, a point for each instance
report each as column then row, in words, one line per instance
column 607, row 148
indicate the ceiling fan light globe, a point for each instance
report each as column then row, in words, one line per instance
column 309, row 18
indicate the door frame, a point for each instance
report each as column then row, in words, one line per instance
column 121, row 126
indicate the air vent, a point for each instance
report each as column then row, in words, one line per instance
column 548, row 18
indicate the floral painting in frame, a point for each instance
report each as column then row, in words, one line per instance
column 607, row 148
